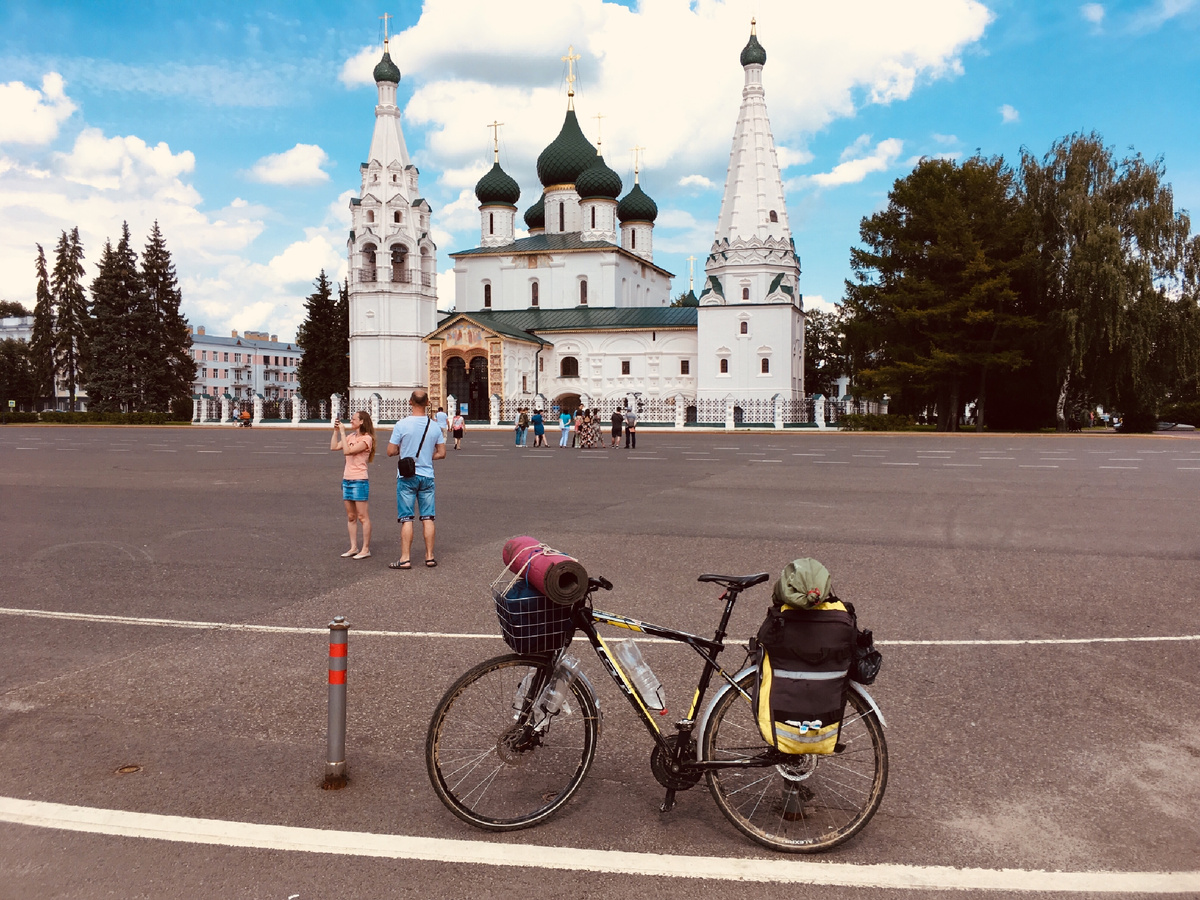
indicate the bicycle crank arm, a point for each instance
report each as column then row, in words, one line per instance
column 668, row 803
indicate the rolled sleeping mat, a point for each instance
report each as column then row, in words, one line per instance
column 561, row 578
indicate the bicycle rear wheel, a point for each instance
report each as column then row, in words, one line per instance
column 799, row 804
column 490, row 763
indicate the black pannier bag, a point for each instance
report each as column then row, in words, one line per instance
column 804, row 666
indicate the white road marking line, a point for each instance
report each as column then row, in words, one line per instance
column 1058, row 458
column 295, row 629
column 215, row 832
column 808, row 454
column 1024, row 466
column 1187, row 468
column 1125, row 459
column 997, row 457
column 963, row 465
column 210, row 451
column 869, row 455
column 901, row 464
column 830, row 462
column 1119, row 467
column 153, row 450
column 28, row 448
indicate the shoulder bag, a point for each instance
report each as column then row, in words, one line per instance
column 407, row 465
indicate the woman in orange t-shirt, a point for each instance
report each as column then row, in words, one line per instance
column 358, row 446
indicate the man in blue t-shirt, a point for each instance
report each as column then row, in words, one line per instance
column 420, row 437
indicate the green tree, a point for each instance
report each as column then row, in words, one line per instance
column 824, row 354
column 119, row 338
column 13, row 308
column 1110, row 276
column 932, row 310
column 70, row 337
column 169, row 370
column 42, row 341
column 18, row 381
column 325, row 336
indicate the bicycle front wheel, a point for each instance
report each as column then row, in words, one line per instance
column 799, row 803
column 491, row 762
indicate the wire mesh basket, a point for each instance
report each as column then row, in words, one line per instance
column 529, row 621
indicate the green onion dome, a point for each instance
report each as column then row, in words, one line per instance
column 754, row 54
column 386, row 70
column 567, row 156
column 497, row 186
column 535, row 216
column 598, row 182
column 636, row 206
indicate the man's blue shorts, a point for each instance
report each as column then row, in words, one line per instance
column 357, row 490
column 419, row 488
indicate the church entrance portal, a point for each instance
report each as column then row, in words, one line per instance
column 468, row 382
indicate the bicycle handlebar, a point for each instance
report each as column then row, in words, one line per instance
column 599, row 582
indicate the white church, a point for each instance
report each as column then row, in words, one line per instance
column 577, row 312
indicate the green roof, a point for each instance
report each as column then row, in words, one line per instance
column 528, row 323
column 497, row 186
column 754, row 54
column 535, row 216
column 568, row 154
column 386, row 70
column 598, row 182
column 636, row 206
column 553, row 243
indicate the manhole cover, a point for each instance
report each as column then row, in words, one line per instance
column 128, row 770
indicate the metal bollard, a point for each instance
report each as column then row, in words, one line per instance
column 335, row 752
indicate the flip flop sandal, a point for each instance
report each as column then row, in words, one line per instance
column 431, row 563
column 400, row 564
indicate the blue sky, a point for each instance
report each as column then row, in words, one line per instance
column 240, row 126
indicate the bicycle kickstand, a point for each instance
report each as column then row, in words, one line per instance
column 668, row 803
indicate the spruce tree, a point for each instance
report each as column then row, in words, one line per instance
column 120, row 331
column 70, row 339
column 324, row 369
column 169, row 370
column 41, row 344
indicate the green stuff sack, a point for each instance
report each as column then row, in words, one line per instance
column 803, row 584
column 804, row 660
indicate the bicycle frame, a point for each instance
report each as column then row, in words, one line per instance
column 585, row 619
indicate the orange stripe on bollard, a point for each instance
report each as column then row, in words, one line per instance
column 337, row 649
column 337, row 677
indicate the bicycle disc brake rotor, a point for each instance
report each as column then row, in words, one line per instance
column 799, row 769
column 675, row 781
column 512, row 746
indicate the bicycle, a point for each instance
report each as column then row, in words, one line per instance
column 500, row 762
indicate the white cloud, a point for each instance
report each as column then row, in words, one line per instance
column 30, row 116
column 857, row 149
column 820, row 304
column 787, row 157
column 699, row 181
column 1092, row 12
column 945, row 138
column 127, row 164
column 300, row 165
column 852, row 171
column 1159, row 14
column 1009, row 114
column 823, row 64
column 445, row 289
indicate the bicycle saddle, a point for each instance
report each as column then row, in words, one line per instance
column 737, row 581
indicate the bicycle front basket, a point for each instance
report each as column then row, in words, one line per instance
column 529, row 621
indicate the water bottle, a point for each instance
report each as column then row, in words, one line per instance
column 554, row 695
column 644, row 680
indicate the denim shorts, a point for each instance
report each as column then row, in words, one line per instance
column 419, row 488
column 357, row 490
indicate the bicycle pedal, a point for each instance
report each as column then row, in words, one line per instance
column 668, row 803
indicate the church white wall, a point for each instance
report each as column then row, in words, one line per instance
column 774, row 332
column 653, row 356
column 614, row 280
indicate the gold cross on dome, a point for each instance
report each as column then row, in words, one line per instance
column 636, row 151
column 599, row 138
column 570, row 60
column 385, row 18
column 691, row 261
column 495, row 126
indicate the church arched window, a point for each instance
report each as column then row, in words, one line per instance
column 562, row 217
column 724, row 366
column 568, row 367
column 766, row 366
column 745, row 296
column 487, row 296
column 370, row 215
column 774, row 216
column 400, row 264
column 593, row 217
column 583, row 292
column 491, row 223
column 745, row 328
column 396, row 216
column 368, row 258
column 533, row 293
column 632, row 239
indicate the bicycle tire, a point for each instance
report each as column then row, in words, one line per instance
column 488, row 766
column 803, row 804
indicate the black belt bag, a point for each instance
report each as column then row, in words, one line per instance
column 407, row 465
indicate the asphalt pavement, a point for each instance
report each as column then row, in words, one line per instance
column 1035, row 597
